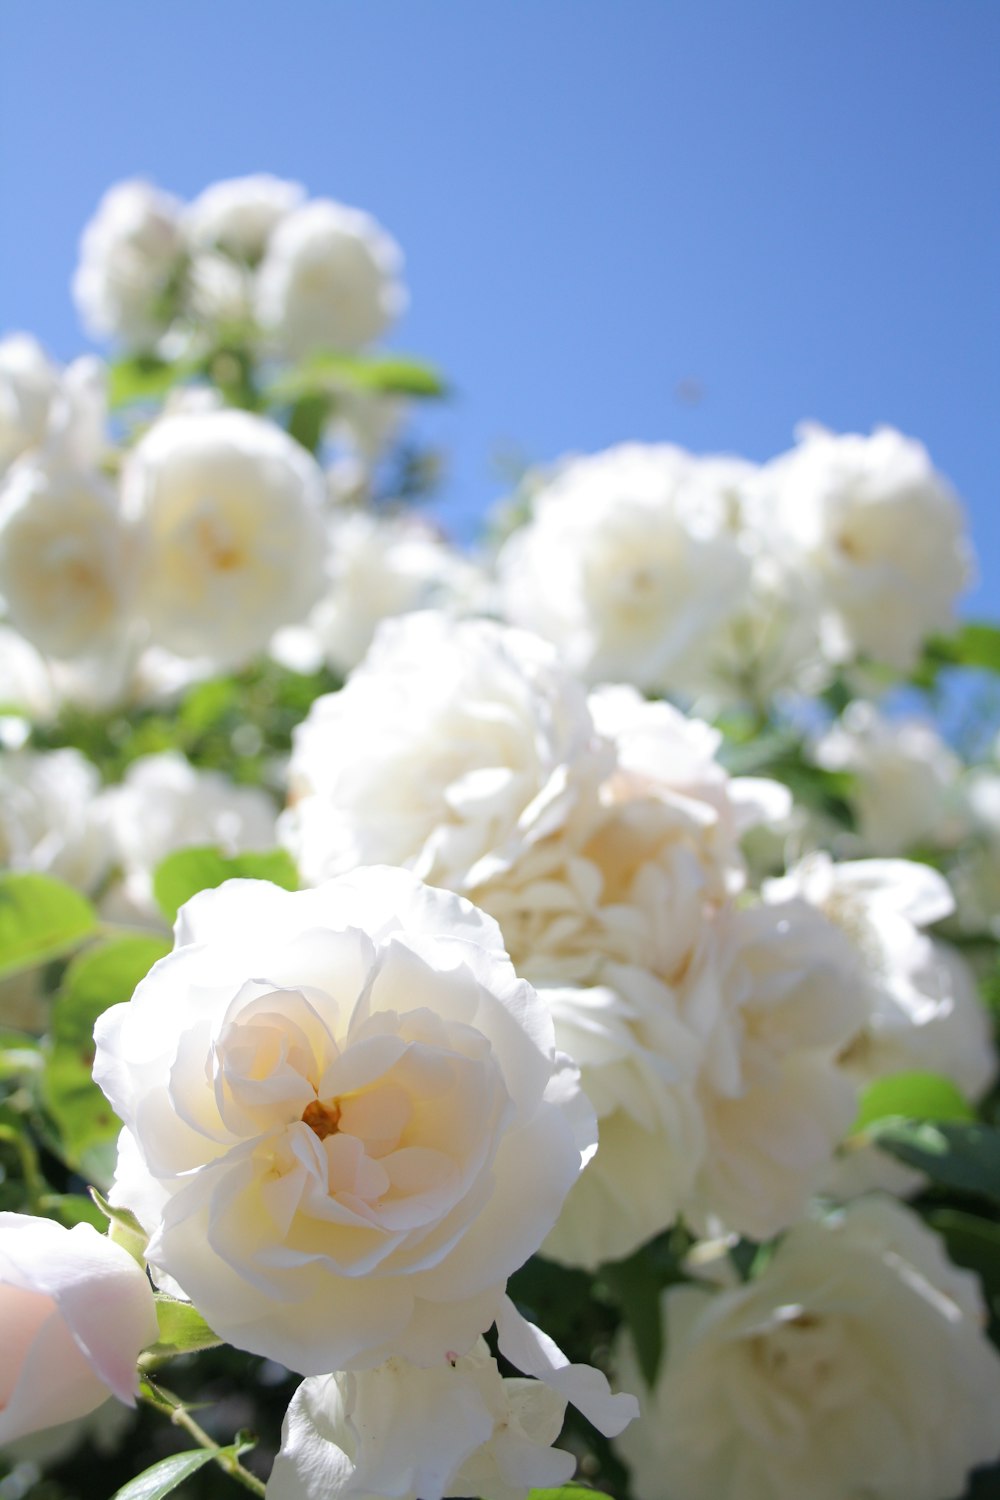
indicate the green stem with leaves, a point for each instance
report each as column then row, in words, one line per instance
column 172, row 1406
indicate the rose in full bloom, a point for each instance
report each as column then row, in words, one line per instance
column 239, row 214
column 330, row 279
column 77, row 1311
column 905, row 789
column 67, row 558
column 453, row 747
column 854, row 1364
column 165, row 803
column 457, row 1428
column 628, row 564
column 345, row 1120
column 233, row 510
column 131, row 257
column 880, row 532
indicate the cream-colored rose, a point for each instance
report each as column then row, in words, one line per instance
column 239, row 214
column 906, row 789
column 881, row 533
column 67, row 558
column 77, row 1311
column 854, row 1364
column 628, row 565
column 233, row 511
column 773, row 994
column 345, row 1120
column 164, row 803
column 330, row 279
column 456, row 1428
column 455, row 746
column 131, row 258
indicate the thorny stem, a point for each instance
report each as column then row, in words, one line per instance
column 165, row 1401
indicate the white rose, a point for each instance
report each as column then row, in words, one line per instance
column 854, row 1364
column 330, row 279
column 377, row 567
column 922, row 1012
column 28, row 382
column 454, row 747
column 772, row 992
column 220, row 291
column 345, row 1121
column 457, row 1428
column 239, row 214
column 233, row 509
column 164, row 803
column 881, row 533
column 906, row 791
column 628, row 565
column 77, row 1312
column 26, row 686
column 50, row 820
column 638, row 1067
column 131, row 254
column 67, row 558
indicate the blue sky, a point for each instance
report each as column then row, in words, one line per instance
column 783, row 209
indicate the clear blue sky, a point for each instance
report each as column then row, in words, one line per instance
column 792, row 203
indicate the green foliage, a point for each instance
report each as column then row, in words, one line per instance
column 144, row 378
column 163, row 1477
column 977, row 645
column 636, row 1286
column 123, row 1227
column 187, row 871
column 183, row 1330
column 962, row 1157
column 568, row 1492
column 913, row 1096
column 105, row 975
column 780, row 754
column 330, row 374
column 40, row 919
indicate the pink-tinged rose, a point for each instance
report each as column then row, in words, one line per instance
column 75, row 1311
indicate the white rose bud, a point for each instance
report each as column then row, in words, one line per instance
column 131, row 252
column 854, row 1364
column 77, row 1311
column 330, row 280
column 345, row 1120
column 232, row 506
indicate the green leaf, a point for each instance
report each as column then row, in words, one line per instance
column 964, row 1157
column 103, row 976
column 330, row 374
column 183, row 1330
column 308, row 419
column 568, row 1492
column 912, row 1096
column 636, row 1287
column 19, row 1053
column 144, row 377
column 40, row 919
column 976, row 644
column 187, row 871
column 165, row 1476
